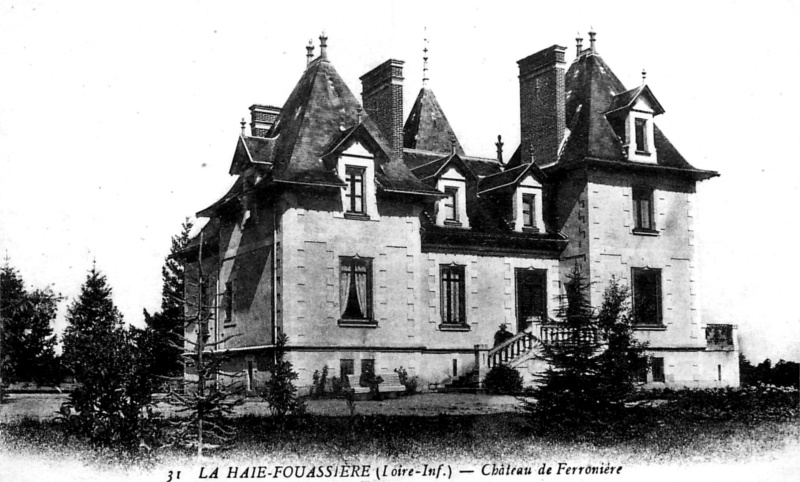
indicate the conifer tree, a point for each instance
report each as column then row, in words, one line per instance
column 28, row 352
column 167, row 324
column 113, row 397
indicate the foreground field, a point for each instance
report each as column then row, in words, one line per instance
column 469, row 432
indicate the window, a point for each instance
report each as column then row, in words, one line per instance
column 531, row 296
column 250, row 376
column 227, row 303
column 452, row 292
column 355, row 288
column 528, row 211
column 647, row 296
column 451, row 204
column 641, row 135
column 643, row 208
column 658, row 370
column 346, row 367
column 354, row 189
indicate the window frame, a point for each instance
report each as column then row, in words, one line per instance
column 637, row 293
column 519, row 279
column 446, row 289
column 529, row 220
column 640, row 135
column 345, row 318
column 639, row 195
column 350, row 194
column 452, row 197
column 658, row 370
column 227, row 304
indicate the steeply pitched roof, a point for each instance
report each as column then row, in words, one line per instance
column 509, row 177
column 480, row 166
column 427, row 127
column 251, row 150
column 431, row 170
column 592, row 91
column 626, row 100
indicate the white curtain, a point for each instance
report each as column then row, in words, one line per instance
column 361, row 288
column 344, row 287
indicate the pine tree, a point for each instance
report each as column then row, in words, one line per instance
column 592, row 363
column 568, row 388
column 167, row 325
column 27, row 335
column 279, row 391
column 113, row 397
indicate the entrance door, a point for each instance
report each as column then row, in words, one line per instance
column 531, row 296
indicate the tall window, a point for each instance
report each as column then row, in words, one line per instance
column 529, row 210
column 355, row 288
column 647, row 296
column 451, row 204
column 452, row 291
column 354, row 189
column 643, row 208
column 531, row 296
column 641, row 135
column 658, row 369
column 227, row 302
column 346, row 367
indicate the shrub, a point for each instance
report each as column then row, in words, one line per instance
column 337, row 387
column 318, row 383
column 504, row 380
column 279, row 391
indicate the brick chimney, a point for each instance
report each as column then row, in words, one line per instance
column 261, row 119
column 382, row 95
column 541, row 102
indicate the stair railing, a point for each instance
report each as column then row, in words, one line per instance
column 520, row 343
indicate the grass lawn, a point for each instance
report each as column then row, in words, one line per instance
column 468, row 431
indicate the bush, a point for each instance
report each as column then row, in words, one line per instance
column 337, row 387
column 279, row 391
column 503, row 380
column 747, row 404
column 318, row 383
column 411, row 383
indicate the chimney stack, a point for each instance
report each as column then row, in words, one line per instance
column 541, row 99
column 261, row 119
column 382, row 95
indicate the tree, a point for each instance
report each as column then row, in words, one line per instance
column 113, row 397
column 27, row 332
column 279, row 391
column 623, row 357
column 592, row 362
column 209, row 400
column 167, row 324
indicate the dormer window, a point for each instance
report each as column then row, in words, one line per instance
column 356, row 167
column 641, row 136
column 451, row 210
column 451, row 205
column 528, row 211
column 354, row 189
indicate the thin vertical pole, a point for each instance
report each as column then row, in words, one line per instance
column 201, row 328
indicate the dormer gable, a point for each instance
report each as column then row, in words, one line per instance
column 631, row 116
column 524, row 185
column 451, row 176
column 251, row 151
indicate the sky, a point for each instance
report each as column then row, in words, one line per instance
column 117, row 121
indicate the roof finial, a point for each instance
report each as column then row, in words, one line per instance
column 499, row 145
column 309, row 51
column 579, row 43
column 644, row 76
column 360, row 111
column 425, row 62
column 243, row 123
column 323, row 46
column 453, row 143
column 592, row 33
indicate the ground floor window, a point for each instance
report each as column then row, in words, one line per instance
column 355, row 288
column 531, row 296
column 452, row 294
column 647, row 296
column 658, row 369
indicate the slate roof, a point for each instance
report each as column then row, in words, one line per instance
column 592, row 90
column 480, row 166
column 431, row 170
column 252, row 150
column 427, row 128
column 509, row 177
column 626, row 100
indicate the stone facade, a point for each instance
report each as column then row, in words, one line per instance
column 371, row 253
